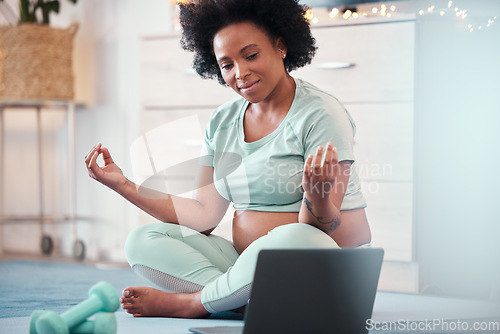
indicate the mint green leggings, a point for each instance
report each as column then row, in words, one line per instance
column 178, row 259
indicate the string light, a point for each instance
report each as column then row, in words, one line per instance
column 459, row 13
column 309, row 15
column 440, row 7
column 334, row 13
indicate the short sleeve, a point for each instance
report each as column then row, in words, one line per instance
column 207, row 151
column 331, row 123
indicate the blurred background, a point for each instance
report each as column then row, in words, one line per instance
column 420, row 78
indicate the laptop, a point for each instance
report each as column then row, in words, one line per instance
column 310, row 291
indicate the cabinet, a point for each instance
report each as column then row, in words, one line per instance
column 377, row 90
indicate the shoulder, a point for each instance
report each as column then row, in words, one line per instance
column 316, row 99
column 225, row 115
column 314, row 105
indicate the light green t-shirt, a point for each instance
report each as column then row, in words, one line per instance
column 266, row 175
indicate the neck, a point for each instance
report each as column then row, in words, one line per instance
column 280, row 100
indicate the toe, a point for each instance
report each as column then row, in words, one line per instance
column 128, row 301
column 131, row 309
column 128, row 292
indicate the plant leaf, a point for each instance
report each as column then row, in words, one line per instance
column 47, row 7
column 24, row 11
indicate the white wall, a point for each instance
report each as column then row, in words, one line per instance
column 457, row 137
column 106, row 63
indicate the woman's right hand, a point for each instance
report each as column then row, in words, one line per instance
column 110, row 174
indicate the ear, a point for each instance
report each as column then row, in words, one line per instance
column 281, row 47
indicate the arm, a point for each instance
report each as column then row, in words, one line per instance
column 202, row 213
column 324, row 183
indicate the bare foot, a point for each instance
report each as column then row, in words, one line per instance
column 150, row 302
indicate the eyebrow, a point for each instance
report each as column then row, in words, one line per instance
column 241, row 51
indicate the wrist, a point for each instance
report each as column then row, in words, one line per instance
column 124, row 187
column 317, row 199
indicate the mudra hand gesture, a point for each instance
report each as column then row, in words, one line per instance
column 110, row 174
column 320, row 174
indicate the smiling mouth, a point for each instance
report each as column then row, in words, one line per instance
column 248, row 85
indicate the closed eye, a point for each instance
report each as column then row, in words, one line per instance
column 253, row 56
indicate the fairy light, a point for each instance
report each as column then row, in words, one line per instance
column 461, row 14
column 309, row 15
column 334, row 13
column 383, row 9
column 347, row 14
column 440, row 8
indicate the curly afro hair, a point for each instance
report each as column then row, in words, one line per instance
column 202, row 19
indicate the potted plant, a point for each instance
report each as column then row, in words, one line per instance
column 35, row 58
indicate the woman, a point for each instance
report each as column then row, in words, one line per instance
column 281, row 153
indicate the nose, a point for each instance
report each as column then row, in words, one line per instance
column 242, row 71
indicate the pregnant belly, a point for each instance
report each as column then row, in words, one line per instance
column 251, row 225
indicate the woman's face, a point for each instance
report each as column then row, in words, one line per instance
column 250, row 63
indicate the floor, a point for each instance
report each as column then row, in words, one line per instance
column 390, row 309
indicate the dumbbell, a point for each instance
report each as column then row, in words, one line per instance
column 102, row 298
column 104, row 323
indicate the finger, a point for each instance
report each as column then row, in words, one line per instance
column 330, row 159
column 89, row 155
column 335, row 157
column 91, row 173
column 307, row 166
column 319, row 156
column 317, row 161
column 106, row 156
column 93, row 166
column 328, row 154
column 91, row 152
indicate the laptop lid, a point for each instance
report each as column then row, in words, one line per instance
column 313, row 291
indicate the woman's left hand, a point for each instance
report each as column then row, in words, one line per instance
column 320, row 174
